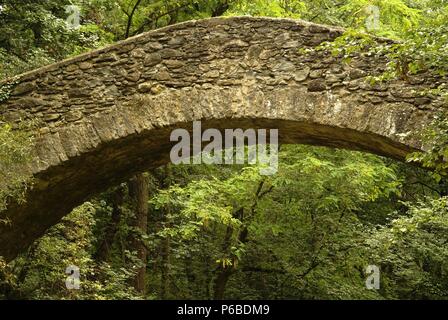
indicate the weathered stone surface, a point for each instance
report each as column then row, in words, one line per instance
column 154, row 46
column 174, row 64
column 152, row 59
column 71, row 68
column 302, row 75
column 422, row 101
column 156, row 89
column 106, row 58
column 73, row 116
column 52, row 117
column 78, row 93
column 145, row 87
column 30, row 102
column 85, row 65
column 317, row 85
column 212, row 74
column 23, row 88
column 133, row 76
column 169, row 53
column 356, row 74
column 108, row 114
column 138, row 53
column 162, row 76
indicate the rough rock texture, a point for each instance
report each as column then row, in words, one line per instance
column 108, row 114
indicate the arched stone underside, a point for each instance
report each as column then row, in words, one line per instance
column 108, row 114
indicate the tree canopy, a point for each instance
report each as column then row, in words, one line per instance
column 227, row 232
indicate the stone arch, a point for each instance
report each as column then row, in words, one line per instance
column 106, row 115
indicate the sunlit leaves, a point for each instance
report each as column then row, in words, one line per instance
column 435, row 155
column 413, row 252
column 72, row 242
column 270, row 8
column 15, row 154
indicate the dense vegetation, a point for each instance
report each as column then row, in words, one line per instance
column 213, row 232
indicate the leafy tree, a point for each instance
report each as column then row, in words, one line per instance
column 15, row 154
column 412, row 252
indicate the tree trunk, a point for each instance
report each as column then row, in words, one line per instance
column 166, row 264
column 130, row 17
column 221, row 282
column 103, row 250
column 139, row 192
column 220, row 9
column 224, row 272
column 166, row 243
column 443, row 184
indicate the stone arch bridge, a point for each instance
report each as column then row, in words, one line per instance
column 106, row 115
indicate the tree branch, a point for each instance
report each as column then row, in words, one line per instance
column 156, row 18
column 130, row 17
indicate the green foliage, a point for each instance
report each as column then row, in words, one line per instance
column 15, row 154
column 395, row 16
column 6, row 90
column 436, row 144
column 35, row 33
column 334, row 186
column 413, row 254
column 71, row 243
column 422, row 45
column 270, row 8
